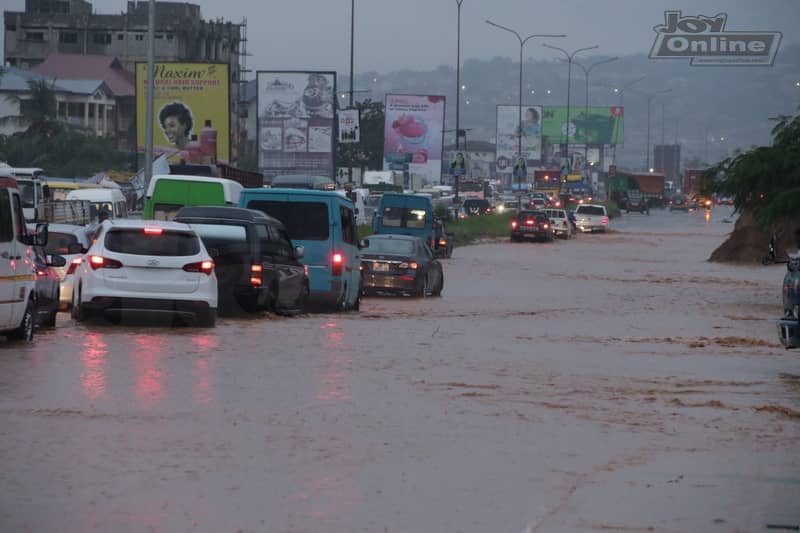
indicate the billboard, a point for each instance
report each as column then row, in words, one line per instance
column 296, row 123
column 191, row 118
column 508, row 136
column 414, row 125
column 349, row 126
column 597, row 125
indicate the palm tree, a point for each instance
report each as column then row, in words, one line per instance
column 38, row 113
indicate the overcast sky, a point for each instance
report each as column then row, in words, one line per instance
column 421, row 34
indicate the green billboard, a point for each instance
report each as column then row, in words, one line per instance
column 601, row 125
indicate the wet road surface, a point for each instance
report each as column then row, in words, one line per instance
column 609, row 382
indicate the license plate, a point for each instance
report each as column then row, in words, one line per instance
column 380, row 267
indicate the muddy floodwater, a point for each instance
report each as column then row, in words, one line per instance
column 612, row 382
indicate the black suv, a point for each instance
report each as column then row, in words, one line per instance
column 531, row 225
column 476, row 206
column 254, row 260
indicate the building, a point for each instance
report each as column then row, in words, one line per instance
column 66, row 28
column 89, row 104
column 668, row 161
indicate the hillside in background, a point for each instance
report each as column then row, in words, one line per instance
column 710, row 111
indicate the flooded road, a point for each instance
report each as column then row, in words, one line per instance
column 611, row 382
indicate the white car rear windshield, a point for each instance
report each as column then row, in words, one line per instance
column 590, row 210
column 165, row 243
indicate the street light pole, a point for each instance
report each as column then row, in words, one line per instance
column 150, row 106
column 621, row 95
column 570, row 57
column 519, row 118
column 352, row 55
column 650, row 97
column 586, row 72
column 458, row 76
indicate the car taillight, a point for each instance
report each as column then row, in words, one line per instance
column 97, row 261
column 337, row 262
column 545, row 226
column 73, row 266
column 255, row 275
column 153, row 231
column 442, row 242
column 408, row 266
column 206, row 267
column 529, row 222
column 488, row 209
column 605, row 221
column 305, row 270
column 513, row 224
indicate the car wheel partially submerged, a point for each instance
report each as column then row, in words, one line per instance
column 25, row 330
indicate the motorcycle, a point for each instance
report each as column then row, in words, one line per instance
column 772, row 258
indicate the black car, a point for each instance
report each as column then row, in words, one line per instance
column 400, row 264
column 48, row 286
column 531, row 225
column 476, row 206
column 679, row 202
column 256, row 265
column 443, row 245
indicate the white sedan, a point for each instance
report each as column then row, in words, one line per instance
column 146, row 266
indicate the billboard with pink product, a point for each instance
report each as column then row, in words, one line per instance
column 414, row 125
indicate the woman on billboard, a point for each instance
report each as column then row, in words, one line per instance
column 177, row 123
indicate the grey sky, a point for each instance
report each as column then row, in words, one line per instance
column 421, row 34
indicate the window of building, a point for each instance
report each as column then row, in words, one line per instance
column 120, row 36
column 61, row 7
column 11, row 27
column 102, row 38
column 139, row 37
column 36, row 36
column 170, row 36
column 68, row 37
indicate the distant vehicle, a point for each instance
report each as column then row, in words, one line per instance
column 324, row 223
column 789, row 325
column 167, row 193
column 591, row 218
column 18, row 285
column 401, row 264
column 471, row 189
column 301, row 181
column 32, row 188
column 70, row 242
column 636, row 202
column 702, row 202
column 531, row 225
column 146, row 267
column 559, row 219
column 475, row 207
column 678, row 202
column 257, row 266
column 443, row 245
column 405, row 214
column 102, row 199
column 538, row 203
column 383, row 177
column 47, row 286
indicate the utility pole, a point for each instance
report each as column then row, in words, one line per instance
column 458, row 79
column 352, row 53
column 148, row 133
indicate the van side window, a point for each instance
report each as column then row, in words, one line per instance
column 6, row 220
column 20, row 218
column 348, row 225
column 303, row 220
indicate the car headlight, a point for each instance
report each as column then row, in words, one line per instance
column 501, row 208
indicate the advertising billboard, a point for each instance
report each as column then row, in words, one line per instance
column 414, row 125
column 296, row 123
column 508, row 136
column 601, row 125
column 191, row 118
column 349, row 126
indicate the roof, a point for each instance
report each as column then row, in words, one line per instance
column 126, row 223
column 16, row 80
column 89, row 67
column 222, row 214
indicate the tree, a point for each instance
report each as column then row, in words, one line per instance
column 369, row 152
column 764, row 181
column 38, row 113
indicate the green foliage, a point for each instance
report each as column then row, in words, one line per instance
column 38, row 113
column 471, row 229
column 66, row 153
column 369, row 152
column 764, row 181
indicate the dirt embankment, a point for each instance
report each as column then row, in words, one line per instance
column 749, row 241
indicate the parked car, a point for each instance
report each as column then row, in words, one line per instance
column 47, row 286
column 559, row 219
column 257, row 266
column 476, row 206
column 591, row 218
column 531, row 225
column 324, row 224
column 400, row 264
column 70, row 242
column 678, row 202
column 148, row 267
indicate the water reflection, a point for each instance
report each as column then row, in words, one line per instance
column 149, row 385
column 335, row 376
column 93, row 358
column 207, row 346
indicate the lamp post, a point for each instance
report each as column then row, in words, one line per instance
column 521, row 46
column 586, row 72
column 650, row 97
column 352, row 54
column 569, row 57
column 458, row 74
column 150, row 107
column 621, row 95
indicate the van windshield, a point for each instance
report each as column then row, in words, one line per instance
column 404, row 217
column 304, row 221
column 26, row 193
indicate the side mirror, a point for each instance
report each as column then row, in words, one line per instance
column 363, row 243
column 40, row 237
column 46, row 191
column 57, row 261
column 299, row 252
